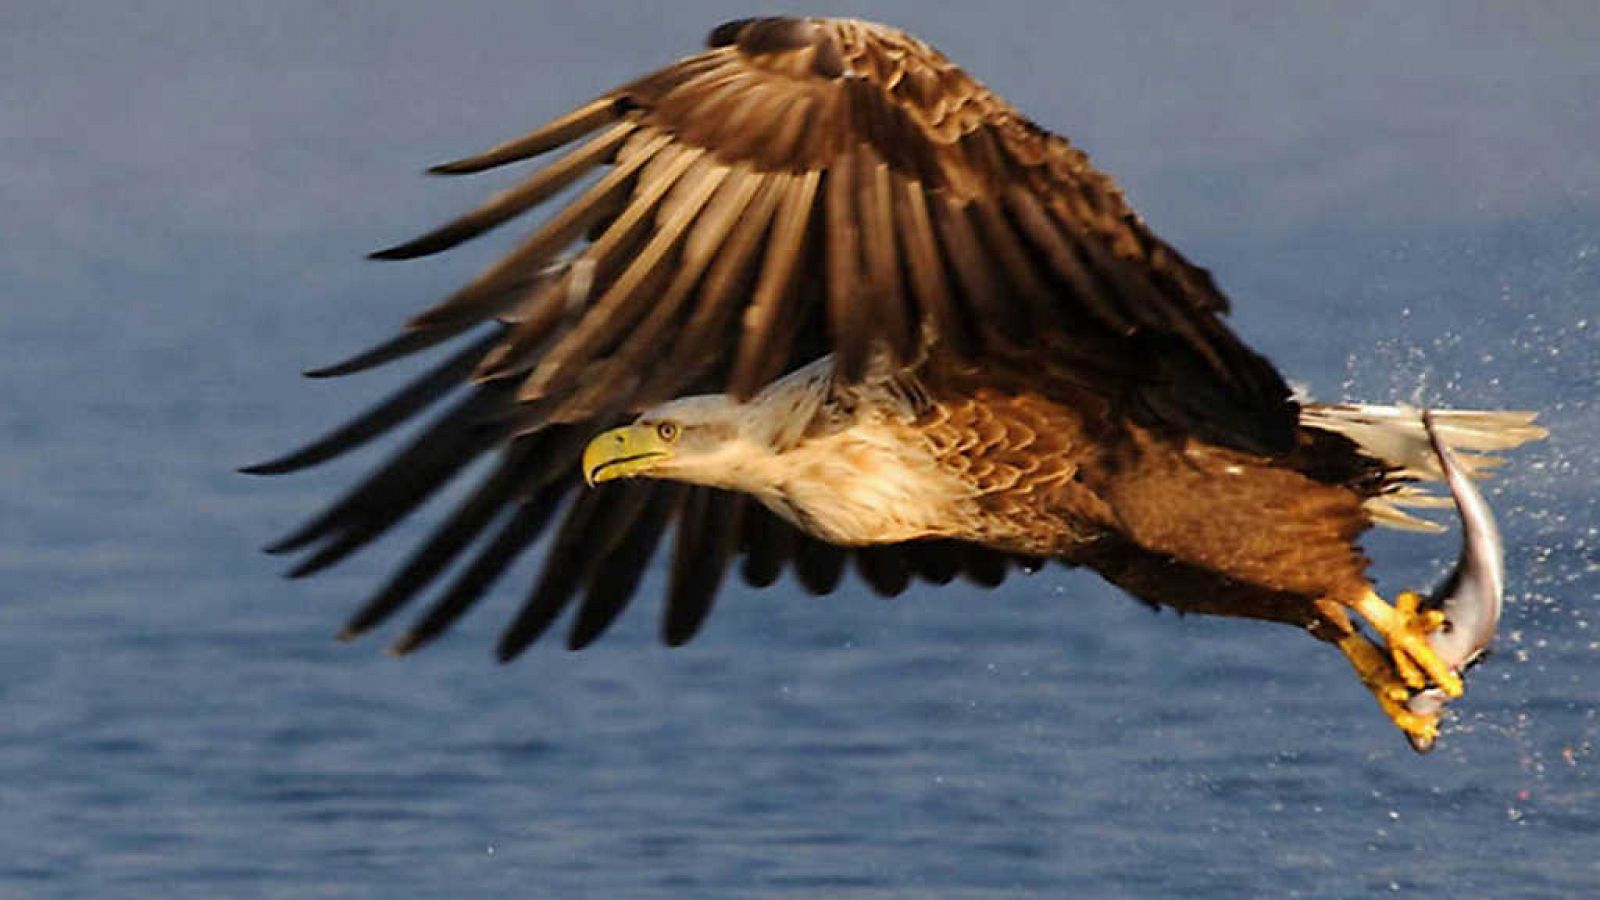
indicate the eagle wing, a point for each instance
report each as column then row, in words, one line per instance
column 803, row 186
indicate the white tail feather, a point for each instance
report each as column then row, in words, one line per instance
column 1395, row 434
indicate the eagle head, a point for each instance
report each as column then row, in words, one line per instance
column 842, row 473
column 688, row 439
column 715, row 439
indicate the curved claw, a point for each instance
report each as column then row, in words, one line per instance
column 1377, row 671
column 1418, row 621
column 1405, row 630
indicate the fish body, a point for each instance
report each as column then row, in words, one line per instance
column 1473, row 596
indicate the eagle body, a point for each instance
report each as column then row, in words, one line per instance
column 947, row 450
column 815, row 298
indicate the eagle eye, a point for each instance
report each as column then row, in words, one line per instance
column 667, row 431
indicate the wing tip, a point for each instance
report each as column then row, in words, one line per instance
column 408, row 644
column 401, row 251
column 513, row 642
column 343, row 367
column 411, row 340
column 306, row 569
column 466, row 165
column 282, row 465
column 677, row 637
column 287, row 544
column 270, row 467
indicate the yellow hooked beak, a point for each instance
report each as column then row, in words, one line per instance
column 623, row 453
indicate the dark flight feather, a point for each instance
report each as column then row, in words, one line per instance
column 448, row 540
column 559, row 131
column 514, row 201
column 377, row 421
column 708, row 532
column 565, row 568
column 612, row 582
column 518, row 532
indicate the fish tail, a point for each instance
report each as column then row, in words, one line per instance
column 1396, row 435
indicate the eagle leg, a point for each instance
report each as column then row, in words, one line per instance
column 1405, row 628
column 1380, row 674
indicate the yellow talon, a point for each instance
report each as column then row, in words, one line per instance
column 1405, row 629
column 1377, row 672
column 1409, row 605
column 1422, row 621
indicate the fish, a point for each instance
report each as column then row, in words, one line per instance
column 1472, row 597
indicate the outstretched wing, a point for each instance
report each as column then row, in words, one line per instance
column 803, row 186
column 605, row 536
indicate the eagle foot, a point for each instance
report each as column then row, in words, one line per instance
column 1405, row 628
column 1380, row 673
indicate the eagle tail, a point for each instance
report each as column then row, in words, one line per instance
column 1396, row 435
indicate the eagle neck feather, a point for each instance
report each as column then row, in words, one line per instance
column 844, row 463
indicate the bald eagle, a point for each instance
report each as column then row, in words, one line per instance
column 820, row 296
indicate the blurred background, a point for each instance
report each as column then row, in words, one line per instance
column 1401, row 202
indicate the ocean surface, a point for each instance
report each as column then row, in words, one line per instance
column 177, row 721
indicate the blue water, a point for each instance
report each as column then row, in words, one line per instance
column 178, row 721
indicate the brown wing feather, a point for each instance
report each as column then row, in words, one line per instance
column 1026, row 228
column 709, row 197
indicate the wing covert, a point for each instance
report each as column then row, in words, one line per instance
column 806, row 146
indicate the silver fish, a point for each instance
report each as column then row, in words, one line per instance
column 1472, row 597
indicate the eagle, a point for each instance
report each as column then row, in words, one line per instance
column 815, row 297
